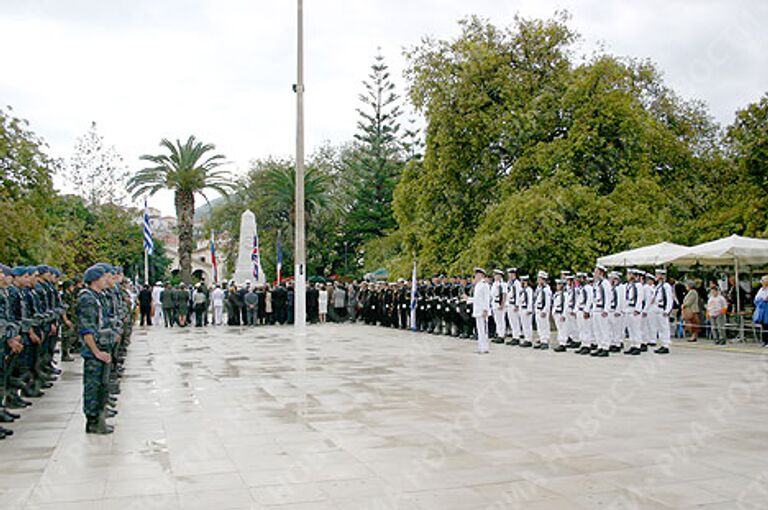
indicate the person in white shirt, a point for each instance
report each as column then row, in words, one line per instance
column 499, row 305
column 584, row 315
column 633, row 311
column 525, row 301
column 571, row 311
column 717, row 307
column 600, row 321
column 560, row 314
column 663, row 301
column 542, row 308
column 481, row 308
column 217, row 298
column 157, row 319
column 616, row 312
column 649, row 334
column 513, row 309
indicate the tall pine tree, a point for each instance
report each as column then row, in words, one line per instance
column 377, row 162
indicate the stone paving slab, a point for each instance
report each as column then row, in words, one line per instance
column 357, row 417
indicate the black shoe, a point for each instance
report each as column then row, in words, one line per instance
column 615, row 348
column 537, row 346
column 544, row 347
column 514, row 341
column 593, row 347
column 584, row 351
column 635, row 351
column 600, row 353
column 662, row 350
column 559, row 348
column 632, row 350
column 111, row 413
column 498, row 340
column 46, row 385
column 32, row 393
column 16, row 402
column 6, row 432
column 96, row 426
column 643, row 347
column 526, row 344
column 574, row 345
column 11, row 415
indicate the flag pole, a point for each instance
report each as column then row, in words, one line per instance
column 146, row 266
column 299, row 315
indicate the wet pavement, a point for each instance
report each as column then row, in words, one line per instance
column 357, row 417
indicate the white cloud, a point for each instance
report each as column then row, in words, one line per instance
column 223, row 70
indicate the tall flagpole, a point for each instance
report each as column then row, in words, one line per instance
column 146, row 266
column 299, row 315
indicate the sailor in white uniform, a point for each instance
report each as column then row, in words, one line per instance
column 543, row 307
column 560, row 315
column 584, row 314
column 513, row 309
column 600, row 321
column 663, row 301
column 157, row 319
column 499, row 305
column 649, row 334
column 481, row 308
column 525, row 300
column 616, row 311
column 633, row 311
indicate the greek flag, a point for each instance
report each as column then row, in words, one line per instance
column 149, row 245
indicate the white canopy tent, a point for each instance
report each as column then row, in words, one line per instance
column 653, row 255
column 733, row 250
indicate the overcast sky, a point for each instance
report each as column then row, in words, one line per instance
column 223, row 69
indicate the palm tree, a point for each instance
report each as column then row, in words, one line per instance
column 280, row 190
column 188, row 170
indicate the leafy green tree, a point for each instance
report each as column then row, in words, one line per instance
column 748, row 141
column 96, row 171
column 187, row 169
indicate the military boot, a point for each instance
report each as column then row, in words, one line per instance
column 96, row 425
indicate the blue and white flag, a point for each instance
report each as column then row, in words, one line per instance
column 413, row 297
column 149, row 245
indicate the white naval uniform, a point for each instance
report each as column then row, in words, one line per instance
column 633, row 312
column 601, row 327
column 616, row 314
column 513, row 311
column 526, row 312
column 559, row 316
column 481, row 300
column 543, row 306
column 663, row 302
column 217, row 298
column 649, row 335
column 583, row 314
column 157, row 318
column 571, row 311
column 498, row 305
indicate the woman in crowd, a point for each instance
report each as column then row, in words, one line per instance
column 761, row 309
column 323, row 304
column 268, row 305
column 717, row 308
column 691, row 311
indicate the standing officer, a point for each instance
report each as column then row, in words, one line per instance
column 526, row 311
column 499, row 303
column 513, row 310
column 559, row 315
column 633, row 310
column 600, row 320
column 10, row 345
column 543, row 307
column 481, row 304
column 664, row 300
column 584, row 313
column 96, row 350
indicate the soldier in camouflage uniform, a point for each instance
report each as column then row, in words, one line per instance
column 98, row 343
column 69, row 338
column 10, row 344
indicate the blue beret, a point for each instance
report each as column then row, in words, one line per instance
column 93, row 273
column 42, row 269
column 5, row 269
column 119, row 269
column 19, row 271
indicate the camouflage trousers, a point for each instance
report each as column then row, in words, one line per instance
column 95, row 389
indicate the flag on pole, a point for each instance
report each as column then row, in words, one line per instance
column 213, row 260
column 279, row 259
column 413, row 297
column 258, row 273
column 149, row 245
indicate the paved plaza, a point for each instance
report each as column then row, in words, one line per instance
column 357, row 417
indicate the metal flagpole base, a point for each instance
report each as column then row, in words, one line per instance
column 300, row 300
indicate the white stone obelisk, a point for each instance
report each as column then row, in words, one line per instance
column 244, row 267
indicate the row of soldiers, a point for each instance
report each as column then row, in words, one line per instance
column 34, row 316
column 595, row 314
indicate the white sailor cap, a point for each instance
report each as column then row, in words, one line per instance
column 570, row 277
column 564, row 272
column 650, row 275
column 543, row 274
column 581, row 274
column 600, row 267
column 511, row 270
column 559, row 281
column 614, row 274
column 479, row 270
column 525, row 277
column 661, row 270
column 498, row 271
